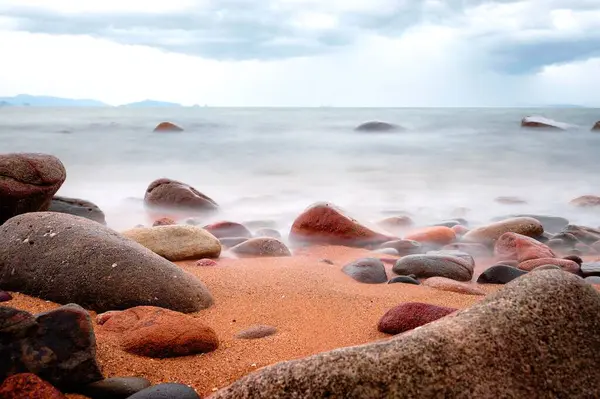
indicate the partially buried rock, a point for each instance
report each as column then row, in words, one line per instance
column 228, row 229
column 256, row 332
column 539, row 122
column 5, row 296
column 167, row 127
column 586, row 201
column 161, row 333
column 440, row 235
column 206, row 263
column 94, row 266
column 77, row 207
column 411, row 315
column 488, row 234
column 377, row 126
column 404, row 247
column 261, row 247
column 115, row 388
column 325, row 224
column 405, row 280
column 565, row 264
column 28, row 386
column 167, row 391
column 446, row 284
column 584, row 234
column 28, row 182
column 424, row 266
column 513, row 246
column 176, row 242
column 164, row 222
column 172, row 195
column 528, row 326
column 500, row 274
column 367, row 270
column 546, row 267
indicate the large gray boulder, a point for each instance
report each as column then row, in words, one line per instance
column 536, row 337
column 70, row 259
column 77, row 207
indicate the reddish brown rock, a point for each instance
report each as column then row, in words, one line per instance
column 410, row 315
column 164, row 222
column 326, row 224
column 228, row 229
column 256, row 332
column 28, row 182
column 28, row 386
column 510, row 200
column 513, row 246
column 261, row 247
column 77, row 207
column 488, row 234
column 596, row 126
column 206, row 263
column 564, row 264
column 440, row 235
column 395, row 223
column 586, row 201
column 446, row 284
column 102, row 318
column 167, row 127
column 539, row 122
column 174, row 196
column 161, row 333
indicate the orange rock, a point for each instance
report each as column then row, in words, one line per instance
column 596, row 126
column 440, row 235
column 586, row 201
column 446, row 284
column 28, row 386
column 167, row 127
column 228, row 229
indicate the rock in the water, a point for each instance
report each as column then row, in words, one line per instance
column 266, row 232
column 28, row 386
column 261, row 247
column 115, row 388
column 404, row 247
column 404, row 280
column 586, row 201
column 540, row 122
column 77, row 207
column 377, row 126
column 596, row 126
column 410, row 315
column 566, row 265
column 510, row 200
column 590, row 269
column 164, row 222
column 440, row 235
column 528, row 326
column 167, row 127
column 500, row 274
column 513, row 246
column 92, row 264
column 228, row 229
column 5, row 296
column 167, row 391
column 552, row 224
column 172, row 195
column 424, row 266
column 367, row 270
column 488, row 234
column 587, row 235
column 446, row 284
column 473, row 249
column 176, row 242
column 161, row 333
column 28, row 182
column 326, row 224
column 256, row 332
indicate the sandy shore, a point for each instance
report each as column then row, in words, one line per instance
column 314, row 306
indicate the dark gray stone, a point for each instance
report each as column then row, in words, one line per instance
column 167, row 391
column 377, row 126
column 231, row 242
column 77, row 207
column 435, row 265
column 590, row 269
column 115, row 388
column 5, row 296
column 405, row 280
column 367, row 270
column 404, row 247
column 500, row 274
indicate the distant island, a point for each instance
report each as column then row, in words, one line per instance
column 27, row 100
column 151, row 103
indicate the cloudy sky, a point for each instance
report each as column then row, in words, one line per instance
column 304, row 52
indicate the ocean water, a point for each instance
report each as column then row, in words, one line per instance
column 270, row 164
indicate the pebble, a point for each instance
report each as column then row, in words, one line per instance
column 500, row 274
column 256, row 332
column 405, row 279
column 366, row 270
column 167, row 391
column 115, row 387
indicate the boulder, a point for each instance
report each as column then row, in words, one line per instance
column 228, row 229
column 552, row 224
column 513, row 246
column 439, row 235
column 411, row 315
column 174, row 196
column 539, row 122
column 367, row 270
column 92, row 264
column 404, row 247
column 325, row 224
column 167, row 127
column 596, row 126
column 28, row 386
column 534, row 336
column 488, row 234
column 77, row 207
column 167, row 391
column 587, row 235
column 176, row 242
column 256, row 332
column 115, row 387
column 565, row 264
column 500, row 274
column 160, row 333
column 424, row 266
column 405, row 280
column 586, row 201
column 446, row 284
column 261, row 247
column 377, row 126
column 28, row 182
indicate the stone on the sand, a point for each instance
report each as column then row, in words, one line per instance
column 564, row 264
column 435, row 265
column 541, row 122
column 534, row 337
column 410, row 315
column 267, row 232
column 172, row 195
column 115, row 387
column 165, row 221
column 446, row 284
column 513, row 246
column 256, row 332
column 405, row 280
column 395, row 223
column 387, row 251
column 77, row 207
column 596, row 126
column 176, row 242
column 440, row 235
column 404, row 247
column 593, row 279
column 326, row 224
column 377, row 126
column 206, row 263
column 261, row 247
column 90, row 265
column 228, row 229
column 500, row 274
column 591, row 269
column 28, row 182
column 167, row 391
column 488, row 234
column 167, row 127
column 5, row 296
column 473, row 249
column 160, row 333
column 28, row 386
column 367, row 270
column 552, row 224
column 586, row 201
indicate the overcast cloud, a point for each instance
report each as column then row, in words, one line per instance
column 304, row 52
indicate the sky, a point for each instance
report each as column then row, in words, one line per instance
column 304, row 52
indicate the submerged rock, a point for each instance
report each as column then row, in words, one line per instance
column 586, row 201
column 77, row 207
column 596, row 126
column 228, row 229
column 513, row 246
column 377, row 126
column 167, row 127
column 488, row 234
column 542, row 123
column 172, row 195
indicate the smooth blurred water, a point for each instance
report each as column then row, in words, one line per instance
column 272, row 163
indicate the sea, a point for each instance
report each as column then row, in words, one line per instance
column 270, row 164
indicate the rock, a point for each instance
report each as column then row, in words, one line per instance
column 366, row 270
column 228, row 229
column 542, row 123
column 28, row 182
column 102, row 318
column 445, row 284
column 596, row 127
column 115, row 388
column 387, row 251
column 477, row 250
column 28, row 386
column 575, row 259
column 377, row 126
column 567, row 238
column 586, row 201
column 206, row 263
column 326, row 224
column 488, row 235
column 172, row 195
column 513, row 246
column 164, row 222
column 261, row 247
column 424, row 266
column 592, row 280
column 405, row 280
column 327, row 261
column 167, row 127
column 546, row 267
column 587, row 235
column 558, row 245
column 256, row 332
column 167, row 391
column 513, row 263
column 77, row 207
column 529, row 326
column 552, row 224
column 395, row 223
column 410, row 315
column 96, row 267
column 403, row 247
column 230, row 242
column 460, row 230
column 5, row 296
column 590, row 269
column 160, row 333
column 448, row 223
column 500, row 274
column 510, row 200
column 566, row 265
column 439, row 235
column 176, row 242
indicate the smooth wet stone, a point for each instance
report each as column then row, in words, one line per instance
column 500, row 274
column 410, row 315
column 5, row 296
column 28, row 386
column 575, row 258
column 513, row 246
column 564, row 264
column 488, row 234
column 590, row 269
column 256, row 332
column 596, row 126
column 586, row 201
column 266, row 232
column 552, row 224
column 228, row 229
column 377, row 127
column 167, row 391
column 167, row 127
column 261, row 247
column 585, row 234
column 432, row 265
column 387, row 251
column 542, row 123
column 173, row 195
column 77, row 207
column 404, row 247
column 438, row 235
column 404, row 280
column 164, row 222
column 567, row 238
column 593, row 279
column 230, row 242
column 115, row 387
column 446, row 284
column 367, row 270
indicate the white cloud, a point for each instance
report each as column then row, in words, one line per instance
column 104, row 6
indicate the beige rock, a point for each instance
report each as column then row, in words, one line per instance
column 490, row 233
